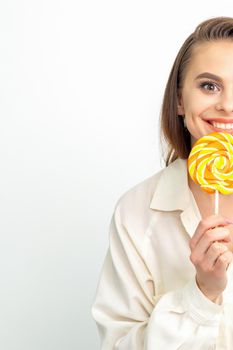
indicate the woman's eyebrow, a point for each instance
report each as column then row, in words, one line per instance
column 209, row 76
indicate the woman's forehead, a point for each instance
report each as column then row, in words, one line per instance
column 212, row 49
column 215, row 57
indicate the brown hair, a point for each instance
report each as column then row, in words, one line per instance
column 176, row 136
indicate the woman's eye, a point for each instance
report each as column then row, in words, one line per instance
column 209, row 86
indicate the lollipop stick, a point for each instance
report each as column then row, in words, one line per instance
column 216, row 202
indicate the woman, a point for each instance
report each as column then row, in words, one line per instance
column 167, row 280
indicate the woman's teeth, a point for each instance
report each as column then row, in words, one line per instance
column 226, row 126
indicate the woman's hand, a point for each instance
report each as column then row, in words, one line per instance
column 211, row 256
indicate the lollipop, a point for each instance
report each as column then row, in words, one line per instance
column 210, row 164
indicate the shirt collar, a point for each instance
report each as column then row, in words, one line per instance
column 173, row 193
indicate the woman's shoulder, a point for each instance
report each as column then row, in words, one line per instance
column 138, row 198
column 132, row 212
column 134, row 209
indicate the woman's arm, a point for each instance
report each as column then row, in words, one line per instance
column 129, row 315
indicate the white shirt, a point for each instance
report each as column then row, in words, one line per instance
column 147, row 297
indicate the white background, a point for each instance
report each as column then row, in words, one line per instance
column 81, row 85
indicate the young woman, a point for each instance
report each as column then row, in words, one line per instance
column 167, row 280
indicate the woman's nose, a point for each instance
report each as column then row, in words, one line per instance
column 225, row 103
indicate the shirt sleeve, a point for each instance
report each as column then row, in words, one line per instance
column 127, row 314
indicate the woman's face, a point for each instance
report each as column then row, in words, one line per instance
column 206, row 98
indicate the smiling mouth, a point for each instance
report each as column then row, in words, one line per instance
column 222, row 126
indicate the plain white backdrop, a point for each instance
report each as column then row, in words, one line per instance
column 81, row 89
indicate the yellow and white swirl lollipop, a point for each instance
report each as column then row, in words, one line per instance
column 210, row 164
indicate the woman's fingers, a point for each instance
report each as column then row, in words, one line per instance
column 217, row 234
column 212, row 255
column 207, row 224
column 223, row 262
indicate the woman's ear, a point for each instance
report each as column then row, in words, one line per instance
column 180, row 106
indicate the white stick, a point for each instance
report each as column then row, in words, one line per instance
column 216, row 202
